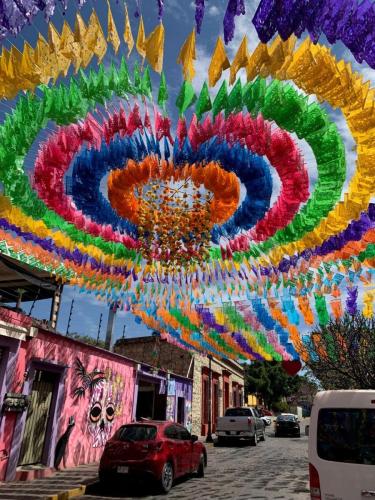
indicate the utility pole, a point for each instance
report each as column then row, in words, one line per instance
column 123, row 332
column 70, row 317
column 55, row 306
column 209, row 430
column 99, row 328
column 110, row 324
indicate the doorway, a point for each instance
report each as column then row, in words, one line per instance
column 38, row 414
column 181, row 411
column 215, row 404
column 150, row 404
column 145, row 400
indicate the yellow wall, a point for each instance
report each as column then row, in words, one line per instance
column 252, row 400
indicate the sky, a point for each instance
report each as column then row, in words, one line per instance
column 178, row 21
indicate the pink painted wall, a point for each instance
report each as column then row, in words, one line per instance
column 98, row 411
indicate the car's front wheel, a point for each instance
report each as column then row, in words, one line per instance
column 263, row 436
column 200, row 471
column 166, row 480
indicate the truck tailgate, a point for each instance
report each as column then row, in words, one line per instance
column 233, row 424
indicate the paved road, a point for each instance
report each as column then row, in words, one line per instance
column 275, row 469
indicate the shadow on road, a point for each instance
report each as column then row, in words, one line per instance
column 125, row 488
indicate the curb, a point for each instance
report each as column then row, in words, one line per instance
column 73, row 492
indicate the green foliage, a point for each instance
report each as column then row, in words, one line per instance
column 342, row 353
column 280, row 407
column 270, row 381
column 87, row 340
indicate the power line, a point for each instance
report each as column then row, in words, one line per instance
column 70, row 317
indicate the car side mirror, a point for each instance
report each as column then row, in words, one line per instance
column 194, row 438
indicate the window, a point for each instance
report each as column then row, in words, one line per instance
column 286, row 418
column 238, row 412
column 137, row 433
column 183, row 434
column 171, row 432
column 346, row 435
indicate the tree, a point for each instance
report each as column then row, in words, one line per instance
column 342, row 353
column 88, row 340
column 268, row 380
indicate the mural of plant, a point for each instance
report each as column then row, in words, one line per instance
column 87, row 380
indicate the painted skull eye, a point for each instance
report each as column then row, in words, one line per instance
column 95, row 412
column 110, row 412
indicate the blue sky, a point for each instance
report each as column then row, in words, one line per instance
column 178, row 22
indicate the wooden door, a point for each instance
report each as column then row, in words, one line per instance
column 215, row 404
column 37, row 418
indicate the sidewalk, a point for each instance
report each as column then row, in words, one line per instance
column 64, row 484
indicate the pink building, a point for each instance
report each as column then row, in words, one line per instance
column 61, row 399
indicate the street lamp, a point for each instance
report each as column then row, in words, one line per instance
column 209, row 430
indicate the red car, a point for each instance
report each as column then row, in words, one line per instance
column 162, row 450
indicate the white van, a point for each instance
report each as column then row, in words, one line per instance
column 342, row 445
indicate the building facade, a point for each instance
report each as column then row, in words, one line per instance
column 61, row 398
column 164, row 383
column 227, row 377
column 162, row 396
column 227, row 390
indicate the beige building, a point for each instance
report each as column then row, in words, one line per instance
column 227, row 390
column 227, row 376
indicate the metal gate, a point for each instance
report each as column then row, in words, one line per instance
column 37, row 418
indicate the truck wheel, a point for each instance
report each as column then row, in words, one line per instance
column 220, row 441
column 254, row 440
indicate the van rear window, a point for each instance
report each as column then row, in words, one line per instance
column 346, row 435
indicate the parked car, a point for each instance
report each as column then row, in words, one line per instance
column 287, row 424
column 342, row 445
column 162, row 450
column 240, row 423
column 267, row 420
column 263, row 412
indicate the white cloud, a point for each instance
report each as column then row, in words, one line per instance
column 213, row 11
column 201, row 67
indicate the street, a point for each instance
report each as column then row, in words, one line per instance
column 275, row 469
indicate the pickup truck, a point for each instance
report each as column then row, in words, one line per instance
column 240, row 423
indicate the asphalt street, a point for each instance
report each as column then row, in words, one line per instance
column 275, row 469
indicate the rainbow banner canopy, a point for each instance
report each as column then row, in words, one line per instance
column 202, row 216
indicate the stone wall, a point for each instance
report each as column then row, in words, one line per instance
column 156, row 352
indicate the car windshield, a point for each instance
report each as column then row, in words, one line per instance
column 137, row 433
column 238, row 412
column 286, row 418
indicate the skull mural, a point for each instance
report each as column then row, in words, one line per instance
column 105, row 388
